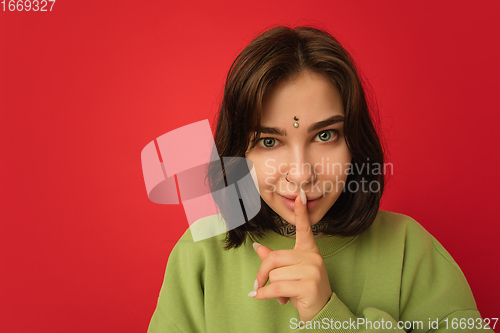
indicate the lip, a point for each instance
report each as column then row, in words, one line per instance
column 289, row 201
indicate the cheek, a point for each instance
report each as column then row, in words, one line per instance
column 266, row 171
column 334, row 165
column 344, row 166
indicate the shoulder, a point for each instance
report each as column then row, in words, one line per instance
column 200, row 240
column 205, row 239
column 386, row 220
column 427, row 269
column 395, row 230
column 416, row 237
column 204, row 234
column 390, row 227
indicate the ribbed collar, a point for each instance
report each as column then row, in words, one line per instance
column 328, row 245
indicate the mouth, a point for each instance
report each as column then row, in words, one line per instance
column 289, row 202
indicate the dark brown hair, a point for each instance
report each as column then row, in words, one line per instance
column 280, row 54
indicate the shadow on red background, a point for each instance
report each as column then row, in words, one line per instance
column 85, row 87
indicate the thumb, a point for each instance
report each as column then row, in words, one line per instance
column 261, row 250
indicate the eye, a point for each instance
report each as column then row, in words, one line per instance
column 327, row 135
column 268, row 143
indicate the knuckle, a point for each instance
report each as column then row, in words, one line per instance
column 315, row 271
column 317, row 259
column 274, row 256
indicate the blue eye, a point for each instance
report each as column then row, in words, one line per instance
column 268, row 142
column 327, row 135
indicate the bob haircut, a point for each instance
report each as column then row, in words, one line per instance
column 280, row 54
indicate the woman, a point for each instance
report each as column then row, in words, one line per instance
column 295, row 107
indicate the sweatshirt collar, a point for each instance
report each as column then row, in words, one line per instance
column 328, row 245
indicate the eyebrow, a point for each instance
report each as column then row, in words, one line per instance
column 314, row 127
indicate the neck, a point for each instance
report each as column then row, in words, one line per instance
column 288, row 230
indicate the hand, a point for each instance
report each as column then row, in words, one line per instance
column 299, row 274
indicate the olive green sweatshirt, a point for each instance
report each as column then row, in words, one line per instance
column 393, row 277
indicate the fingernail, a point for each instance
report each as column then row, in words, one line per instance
column 279, row 301
column 252, row 293
column 255, row 246
column 256, row 285
column 303, row 197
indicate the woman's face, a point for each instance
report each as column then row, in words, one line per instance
column 316, row 145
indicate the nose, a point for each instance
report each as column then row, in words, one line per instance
column 300, row 171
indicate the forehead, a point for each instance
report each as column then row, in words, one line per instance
column 309, row 97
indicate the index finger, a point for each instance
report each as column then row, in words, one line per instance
column 304, row 237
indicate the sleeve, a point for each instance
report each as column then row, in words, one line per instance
column 180, row 306
column 160, row 322
column 434, row 295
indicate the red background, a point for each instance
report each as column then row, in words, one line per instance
column 85, row 87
